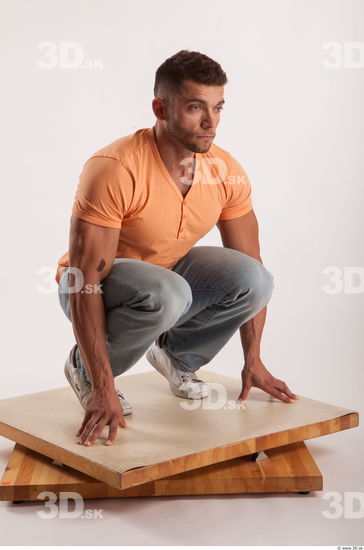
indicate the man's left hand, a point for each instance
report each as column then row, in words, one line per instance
column 255, row 374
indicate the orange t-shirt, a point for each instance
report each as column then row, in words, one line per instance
column 127, row 185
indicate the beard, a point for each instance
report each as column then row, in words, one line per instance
column 186, row 138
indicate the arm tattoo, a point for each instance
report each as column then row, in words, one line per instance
column 101, row 265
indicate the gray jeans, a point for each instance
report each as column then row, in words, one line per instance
column 192, row 310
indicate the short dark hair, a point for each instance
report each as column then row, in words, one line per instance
column 187, row 65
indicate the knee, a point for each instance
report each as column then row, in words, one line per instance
column 261, row 285
column 251, row 279
column 174, row 296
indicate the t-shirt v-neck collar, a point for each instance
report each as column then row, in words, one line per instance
column 165, row 172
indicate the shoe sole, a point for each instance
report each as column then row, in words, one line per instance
column 70, row 383
column 160, row 368
column 125, row 411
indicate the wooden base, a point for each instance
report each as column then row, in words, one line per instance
column 167, row 435
column 290, row 468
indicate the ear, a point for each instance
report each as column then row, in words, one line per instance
column 159, row 108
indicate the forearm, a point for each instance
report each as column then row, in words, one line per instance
column 89, row 326
column 251, row 331
column 251, row 335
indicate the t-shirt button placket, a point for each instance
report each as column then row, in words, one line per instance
column 183, row 216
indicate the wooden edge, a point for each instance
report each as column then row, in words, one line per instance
column 172, row 486
column 89, row 467
column 144, row 474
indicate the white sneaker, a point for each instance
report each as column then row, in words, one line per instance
column 182, row 383
column 82, row 387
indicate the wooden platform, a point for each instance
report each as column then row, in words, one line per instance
column 285, row 469
column 165, row 436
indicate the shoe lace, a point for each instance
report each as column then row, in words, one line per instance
column 120, row 394
column 189, row 375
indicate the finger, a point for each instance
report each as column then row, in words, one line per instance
column 96, row 432
column 244, row 392
column 85, row 419
column 282, row 386
column 279, row 395
column 88, row 429
column 113, row 430
column 122, row 423
column 290, row 393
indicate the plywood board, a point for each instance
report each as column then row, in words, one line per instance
column 164, row 436
column 290, row 468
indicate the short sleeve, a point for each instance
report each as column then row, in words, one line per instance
column 238, row 191
column 104, row 192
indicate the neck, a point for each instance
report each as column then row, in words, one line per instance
column 172, row 152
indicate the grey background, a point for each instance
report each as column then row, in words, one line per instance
column 296, row 126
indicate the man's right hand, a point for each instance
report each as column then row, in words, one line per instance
column 103, row 408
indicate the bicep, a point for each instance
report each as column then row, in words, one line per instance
column 241, row 233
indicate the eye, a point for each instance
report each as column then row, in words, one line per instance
column 192, row 107
column 220, row 108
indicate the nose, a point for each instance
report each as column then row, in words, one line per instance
column 208, row 120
